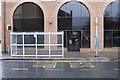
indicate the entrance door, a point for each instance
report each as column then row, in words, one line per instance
column 73, row 41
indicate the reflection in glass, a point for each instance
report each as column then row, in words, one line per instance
column 75, row 16
column 108, row 39
column 28, row 17
column 29, row 39
column 108, row 11
column 116, row 38
column 73, row 9
column 85, row 38
column 85, row 12
column 19, row 39
column 112, row 25
column 114, row 9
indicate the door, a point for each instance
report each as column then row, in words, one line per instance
column 73, row 41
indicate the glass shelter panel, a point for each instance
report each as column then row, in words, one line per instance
column 33, row 44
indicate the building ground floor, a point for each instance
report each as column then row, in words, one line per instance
column 77, row 19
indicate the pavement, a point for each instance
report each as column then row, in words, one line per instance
column 105, row 56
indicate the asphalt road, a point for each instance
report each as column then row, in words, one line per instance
column 59, row 69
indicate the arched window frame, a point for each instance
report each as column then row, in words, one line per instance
column 112, row 25
column 28, row 23
column 64, row 22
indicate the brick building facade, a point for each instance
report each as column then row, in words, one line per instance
column 52, row 20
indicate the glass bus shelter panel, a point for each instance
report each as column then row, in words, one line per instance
column 17, row 50
column 14, row 39
column 14, row 50
column 30, row 50
column 37, row 44
column 19, row 39
column 29, row 40
column 59, row 39
column 29, row 45
column 56, row 50
column 56, row 45
column 40, row 39
column 55, row 39
column 16, row 46
column 43, row 50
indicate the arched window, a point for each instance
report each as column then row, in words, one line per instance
column 75, row 16
column 28, row 17
column 112, row 25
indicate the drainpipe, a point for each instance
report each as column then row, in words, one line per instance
column 4, row 26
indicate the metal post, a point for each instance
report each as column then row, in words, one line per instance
column 4, row 14
column 16, row 45
column 15, row 38
column 23, row 45
column 49, row 46
column 36, row 44
column 62, row 44
column 96, row 21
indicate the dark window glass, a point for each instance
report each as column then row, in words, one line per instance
column 116, row 38
column 64, row 24
column 19, row 39
column 40, row 39
column 75, row 16
column 85, row 38
column 119, row 24
column 61, row 13
column 28, row 17
column 29, row 39
column 108, row 39
column 112, row 25
column 68, row 23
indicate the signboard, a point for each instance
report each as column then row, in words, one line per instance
column 96, row 41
